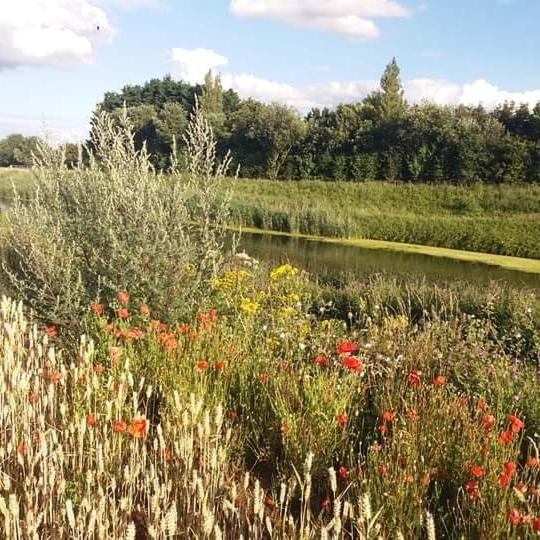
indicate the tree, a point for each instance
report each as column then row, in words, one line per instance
column 211, row 102
column 263, row 135
column 16, row 149
column 390, row 102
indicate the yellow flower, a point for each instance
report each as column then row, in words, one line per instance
column 284, row 271
column 249, row 307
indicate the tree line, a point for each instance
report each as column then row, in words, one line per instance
column 381, row 137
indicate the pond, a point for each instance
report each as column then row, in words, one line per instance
column 323, row 258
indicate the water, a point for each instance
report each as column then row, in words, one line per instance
column 333, row 259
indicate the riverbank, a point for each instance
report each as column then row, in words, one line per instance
column 501, row 261
column 499, row 220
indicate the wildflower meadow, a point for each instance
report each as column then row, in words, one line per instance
column 200, row 394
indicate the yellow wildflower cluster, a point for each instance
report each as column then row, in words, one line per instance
column 285, row 271
column 233, row 280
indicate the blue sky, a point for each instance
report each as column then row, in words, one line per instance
column 55, row 64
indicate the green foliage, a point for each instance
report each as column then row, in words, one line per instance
column 17, row 150
column 115, row 224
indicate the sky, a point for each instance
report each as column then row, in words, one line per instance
column 58, row 57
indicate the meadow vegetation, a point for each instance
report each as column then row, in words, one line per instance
column 154, row 385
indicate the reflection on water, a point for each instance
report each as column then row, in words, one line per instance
column 324, row 258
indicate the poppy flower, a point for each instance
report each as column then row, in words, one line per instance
column 123, row 313
column 425, row 480
column 341, row 419
column 123, row 297
column 51, row 331
column 264, row 377
column 219, row 365
column 488, row 421
column 516, row 424
column 326, row 503
column 413, row 414
column 439, row 380
column 346, row 347
column 285, row 428
column 382, row 428
column 477, row 471
column 233, row 414
column 509, row 468
column 383, row 471
column 536, row 525
column 22, row 448
column 99, row 369
column 32, row 397
column 522, row 488
column 353, row 364
column 388, row 416
column 505, row 437
column 55, row 377
column 503, row 480
column 119, row 426
column 144, row 310
column 414, row 377
column 472, row 489
column 183, row 329
column 482, row 405
column 137, row 428
column 343, row 472
column 321, row 360
column 202, row 364
column 532, row 462
column 514, row 516
column 90, row 420
column 97, row 309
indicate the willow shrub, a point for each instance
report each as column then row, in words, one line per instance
column 115, row 224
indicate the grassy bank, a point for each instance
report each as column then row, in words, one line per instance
column 499, row 220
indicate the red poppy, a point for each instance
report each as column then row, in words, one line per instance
column 388, row 416
column 202, row 364
column 90, row 420
column 285, row 428
column 346, row 347
column 343, row 472
column 477, row 471
column 123, row 297
column 482, row 405
column 505, row 437
column 382, row 428
column 321, row 360
column 383, row 471
column 509, row 468
column 488, row 421
column 137, row 428
column 522, row 488
column 184, row 329
column 439, row 380
column 413, row 414
column 504, row 480
column 55, row 377
column 119, row 426
column 97, row 309
column 353, row 364
column 472, row 489
column 233, row 414
column 51, row 331
column 99, row 369
column 144, row 310
column 516, row 424
column 341, row 419
column 326, row 503
column 32, row 397
column 414, row 377
column 264, row 377
column 22, row 448
column 425, row 480
column 219, row 365
column 514, row 516
column 536, row 525
column 123, row 313
column 532, row 462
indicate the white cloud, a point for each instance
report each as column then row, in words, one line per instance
column 352, row 18
column 51, row 32
column 193, row 64
column 55, row 129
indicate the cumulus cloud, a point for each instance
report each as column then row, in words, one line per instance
column 193, row 64
column 51, row 32
column 352, row 18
